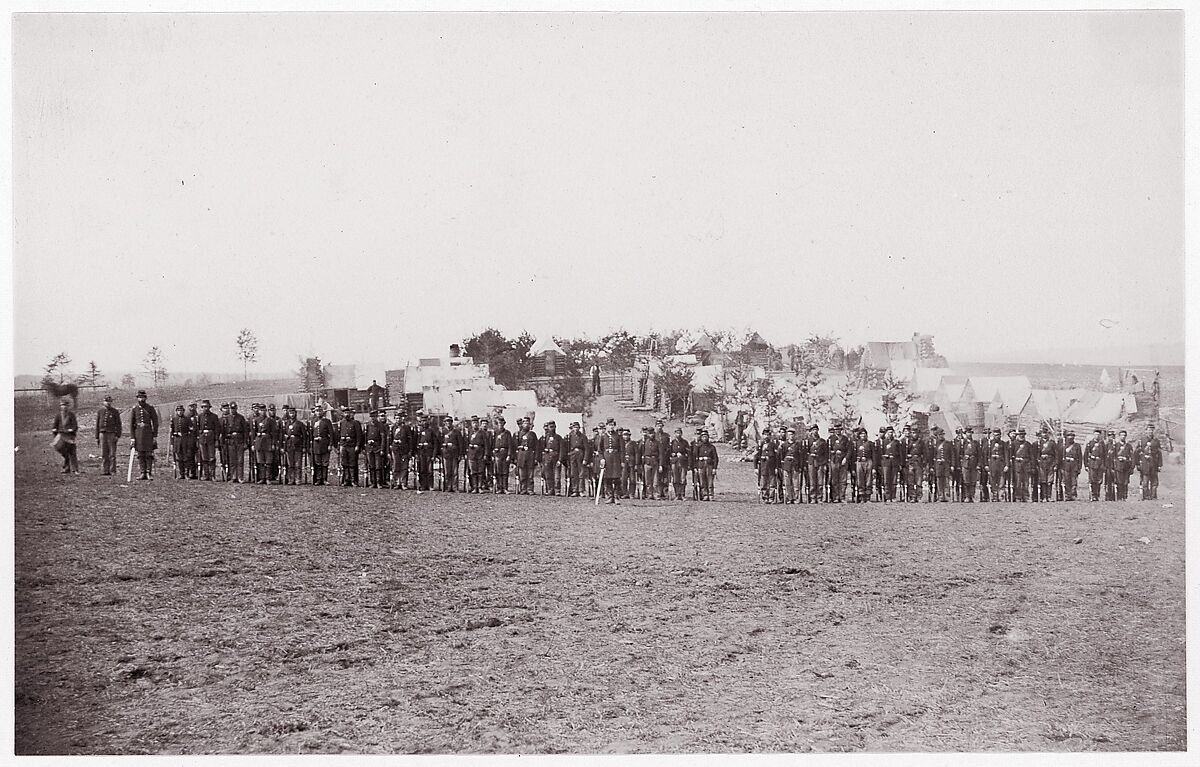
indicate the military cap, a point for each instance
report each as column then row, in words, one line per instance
column 108, row 398
column 177, row 407
column 680, row 431
column 500, row 419
column 883, row 429
column 791, row 429
column 192, row 406
column 814, row 427
column 449, row 419
column 1123, row 433
column 551, row 423
column 646, row 430
column 1098, row 431
column 141, row 393
column 205, row 403
column 271, row 406
column 1071, row 434
column 574, row 424
column 658, row 422
column 766, row 430
column 374, row 412
column 231, row 405
column 1020, row 431
column 595, row 428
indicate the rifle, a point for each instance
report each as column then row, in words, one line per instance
column 175, row 468
column 129, row 474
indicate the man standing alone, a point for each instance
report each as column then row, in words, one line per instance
column 143, row 428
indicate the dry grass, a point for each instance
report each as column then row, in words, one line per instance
column 192, row 618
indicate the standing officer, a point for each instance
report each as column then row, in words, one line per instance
column 192, row 463
column 181, row 431
column 915, row 454
column 651, row 462
column 321, row 438
column 630, row 463
column 1110, row 466
column 402, row 443
column 1023, row 467
column 662, row 441
column 681, row 453
column 792, row 466
column 235, row 436
column 375, row 439
column 997, row 461
column 1096, row 460
column 970, row 460
column 265, row 439
column 1047, row 466
column 766, row 463
column 705, row 462
column 349, row 435
column 942, row 455
column 294, row 443
column 554, row 451
column 891, row 458
column 611, row 451
column 273, row 457
column 1071, row 463
column 1125, row 459
column 503, row 448
column 143, row 430
column 818, row 465
column 477, row 452
column 429, row 443
column 452, row 449
column 864, row 466
column 1149, row 463
column 108, row 431
column 208, row 431
column 839, row 460
column 577, row 455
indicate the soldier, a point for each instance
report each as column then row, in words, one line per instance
column 429, row 443
column 193, row 462
column 554, row 451
column 863, row 452
column 401, row 443
column 477, row 451
column 705, row 460
column 651, row 462
column 273, row 457
column 818, row 465
column 321, row 439
column 265, row 436
column 207, row 430
column 1024, row 470
column 997, row 463
column 630, row 464
column 942, row 460
column 1110, row 470
column 970, row 460
column 577, row 454
column 235, row 437
column 1095, row 458
column 108, row 431
column 294, row 444
column 503, row 448
column 915, row 454
column 1125, row 459
column 349, row 436
column 1149, row 463
column 375, row 436
column 143, row 430
column 1047, row 466
column 181, row 430
column 1071, row 463
column 662, row 441
column 891, row 459
column 766, row 463
column 839, row 460
column 681, row 455
column 453, row 444
column 611, row 451
column 594, row 462
column 791, row 465
column 65, row 429
column 524, row 455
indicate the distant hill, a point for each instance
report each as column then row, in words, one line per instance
column 1145, row 355
column 25, row 381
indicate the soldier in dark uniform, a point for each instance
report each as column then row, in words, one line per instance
column 65, row 430
column 181, row 429
column 681, row 454
column 651, row 463
column 942, row 457
column 349, row 435
column 477, row 450
column 265, row 439
column 1070, row 462
column 321, row 439
column 766, row 463
column 143, row 430
column 504, row 446
column 839, row 461
column 1123, row 464
column 1096, row 460
column 235, row 437
column 1110, row 466
column 526, row 455
column 429, row 443
column 375, row 436
column 553, row 452
column 662, row 441
column 970, row 460
column 108, row 431
column 451, row 451
column 208, row 431
column 1150, row 462
column 997, row 463
column 611, row 451
column 577, row 454
column 791, row 465
column 401, row 443
column 1047, row 466
column 818, row 465
column 704, row 461
column 863, row 455
column 631, row 464
column 915, row 455
column 891, row 458
column 273, row 457
column 1024, row 467
column 294, row 443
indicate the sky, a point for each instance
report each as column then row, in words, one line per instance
column 374, row 186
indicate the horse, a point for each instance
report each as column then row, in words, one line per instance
column 58, row 391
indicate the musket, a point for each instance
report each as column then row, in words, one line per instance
column 129, row 473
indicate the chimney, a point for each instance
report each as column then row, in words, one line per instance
column 455, row 351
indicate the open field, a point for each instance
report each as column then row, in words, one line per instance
column 170, row 617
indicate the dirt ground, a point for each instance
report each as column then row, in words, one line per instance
column 173, row 617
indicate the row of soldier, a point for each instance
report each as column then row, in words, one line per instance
column 473, row 455
column 851, row 466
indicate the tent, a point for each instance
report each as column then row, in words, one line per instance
column 927, row 380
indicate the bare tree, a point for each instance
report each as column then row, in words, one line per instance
column 91, row 376
column 57, row 366
column 155, row 365
column 247, row 344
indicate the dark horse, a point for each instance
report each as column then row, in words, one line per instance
column 58, row 391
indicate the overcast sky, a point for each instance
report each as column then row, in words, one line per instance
column 373, row 187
